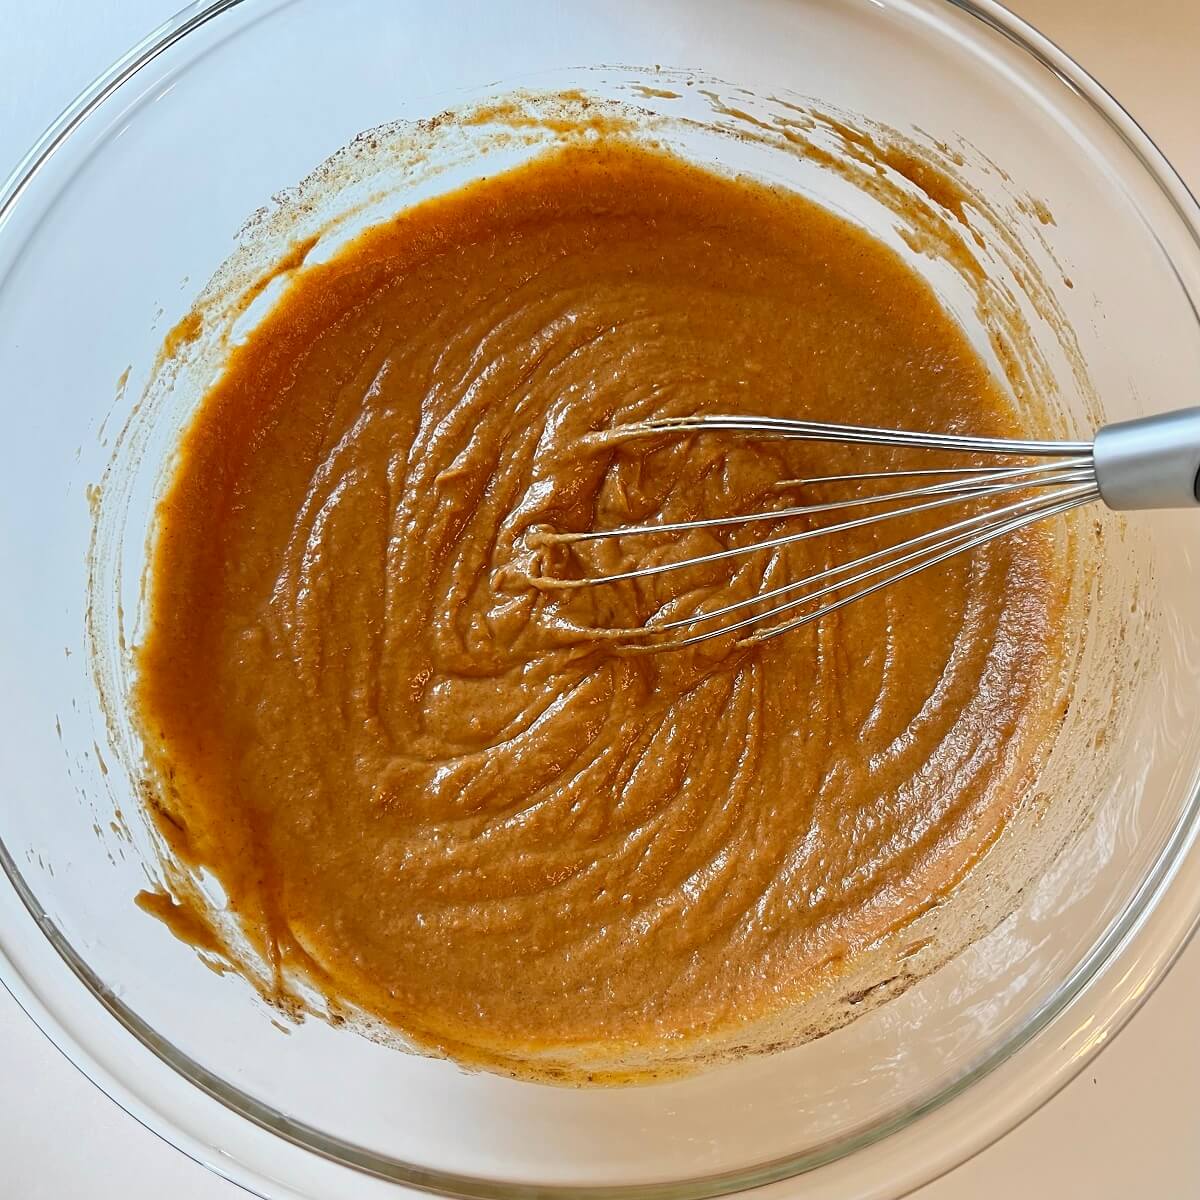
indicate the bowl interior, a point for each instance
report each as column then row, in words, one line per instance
column 107, row 248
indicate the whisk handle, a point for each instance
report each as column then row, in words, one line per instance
column 1153, row 462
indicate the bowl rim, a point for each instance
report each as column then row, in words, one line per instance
column 1146, row 939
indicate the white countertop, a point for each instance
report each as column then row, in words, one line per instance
column 1129, row 1126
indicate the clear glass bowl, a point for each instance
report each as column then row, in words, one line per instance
column 107, row 231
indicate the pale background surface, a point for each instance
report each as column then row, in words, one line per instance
column 1129, row 1126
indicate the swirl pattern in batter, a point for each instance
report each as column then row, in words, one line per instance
column 422, row 781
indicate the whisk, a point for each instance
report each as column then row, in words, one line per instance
column 1153, row 462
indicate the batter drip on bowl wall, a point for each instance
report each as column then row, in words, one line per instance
column 425, row 787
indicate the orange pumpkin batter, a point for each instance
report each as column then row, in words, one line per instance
column 421, row 782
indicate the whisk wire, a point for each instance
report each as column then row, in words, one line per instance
column 863, row 476
column 819, row 431
column 1042, row 474
column 942, row 536
column 942, row 495
column 924, row 558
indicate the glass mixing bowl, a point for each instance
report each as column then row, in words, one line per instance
column 108, row 229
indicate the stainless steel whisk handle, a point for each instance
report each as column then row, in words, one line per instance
column 1153, row 462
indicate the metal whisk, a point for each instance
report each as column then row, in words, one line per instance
column 1153, row 462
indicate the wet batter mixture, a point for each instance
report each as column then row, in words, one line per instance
column 422, row 782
